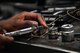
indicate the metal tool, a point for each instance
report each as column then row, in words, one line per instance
column 22, row 31
column 67, row 33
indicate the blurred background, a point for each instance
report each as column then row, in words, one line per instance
column 11, row 7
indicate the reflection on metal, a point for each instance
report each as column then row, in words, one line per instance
column 48, row 47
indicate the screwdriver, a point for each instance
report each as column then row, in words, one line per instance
column 22, row 31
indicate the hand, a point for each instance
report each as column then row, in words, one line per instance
column 5, row 39
column 22, row 20
column 19, row 21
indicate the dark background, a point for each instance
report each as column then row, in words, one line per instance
column 47, row 2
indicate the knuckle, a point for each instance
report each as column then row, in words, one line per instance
column 9, row 39
column 38, row 15
column 23, row 13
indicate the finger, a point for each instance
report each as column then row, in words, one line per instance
column 1, row 38
column 41, row 21
column 8, row 39
column 28, row 23
column 4, row 39
column 31, row 15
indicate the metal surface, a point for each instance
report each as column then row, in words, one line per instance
column 67, row 32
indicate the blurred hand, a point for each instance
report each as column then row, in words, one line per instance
column 24, row 19
column 18, row 21
column 5, row 39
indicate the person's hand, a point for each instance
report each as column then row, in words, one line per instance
column 4, row 40
column 22, row 20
